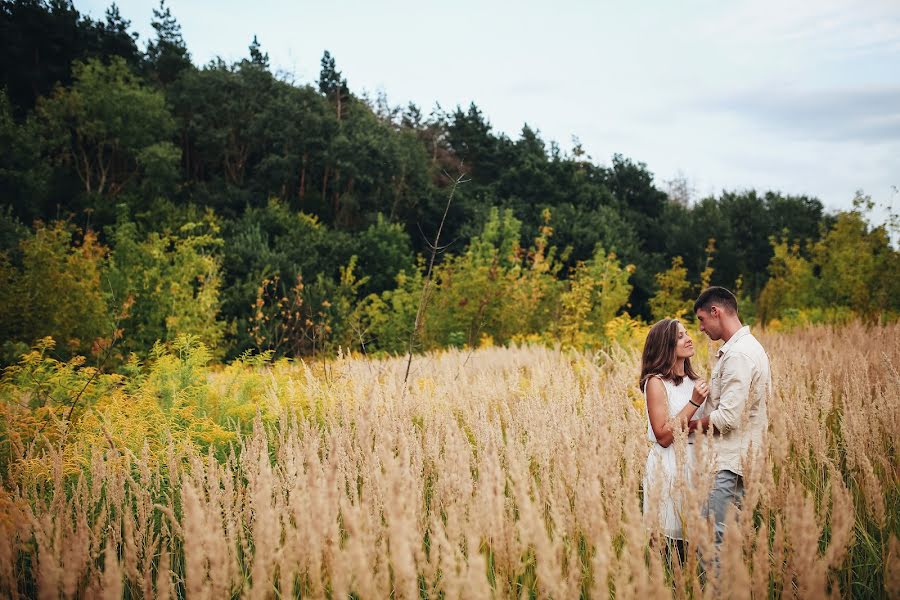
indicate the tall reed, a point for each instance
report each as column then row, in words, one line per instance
column 508, row 473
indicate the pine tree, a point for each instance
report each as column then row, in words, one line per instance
column 333, row 85
column 257, row 57
column 167, row 54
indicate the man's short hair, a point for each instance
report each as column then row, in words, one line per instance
column 716, row 295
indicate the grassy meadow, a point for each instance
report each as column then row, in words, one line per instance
column 493, row 473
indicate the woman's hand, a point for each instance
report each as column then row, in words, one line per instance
column 701, row 391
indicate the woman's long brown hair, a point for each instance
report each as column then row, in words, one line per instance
column 659, row 354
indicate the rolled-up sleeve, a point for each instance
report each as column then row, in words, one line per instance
column 737, row 373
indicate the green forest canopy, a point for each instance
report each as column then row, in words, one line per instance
column 145, row 197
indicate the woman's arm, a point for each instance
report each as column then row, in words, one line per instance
column 658, row 410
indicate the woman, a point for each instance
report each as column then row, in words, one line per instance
column 673, row 393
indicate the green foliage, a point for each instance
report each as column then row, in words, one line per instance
column 103, row 123
column 583, row 227
column 298, row 125
column 858, row 268
column 387, row 319
column 369, row 168
column 279, row 323
column 305, row 319
column 168, row 283
column 384, row 249
column 12, row 232
column 473, row 287
column 499, row 240
column 671, row 298
column 167, row 54
column 23, row 174
column 331, row 84
column 40, row 395
column 336, row 301
column 276, row 243
column 325, row 198
column 742, row 224
column 791, row 282
column 56, row 384
column 495, row 290
column 853, row 269
column 40, row 39
column 220, row 111
column 44, row 400
column 159, row 165
column 598, row 290
column 58, row 292
column 170, row 397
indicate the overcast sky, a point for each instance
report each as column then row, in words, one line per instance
column 800, row 97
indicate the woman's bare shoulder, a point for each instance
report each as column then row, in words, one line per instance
column 655, row 386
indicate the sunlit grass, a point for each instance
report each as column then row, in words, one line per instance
column 505, row 472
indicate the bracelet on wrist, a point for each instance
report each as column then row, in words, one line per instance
column 695, row 404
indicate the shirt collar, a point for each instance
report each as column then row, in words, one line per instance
column 745, row 330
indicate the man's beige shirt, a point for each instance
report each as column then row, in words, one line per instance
column 736, row 406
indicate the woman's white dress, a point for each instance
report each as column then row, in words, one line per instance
column 661, row 471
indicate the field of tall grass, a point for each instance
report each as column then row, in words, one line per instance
column 495, row 473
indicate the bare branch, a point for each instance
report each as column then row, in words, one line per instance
column 426, row 287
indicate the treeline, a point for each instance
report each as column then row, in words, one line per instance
column 145, row 197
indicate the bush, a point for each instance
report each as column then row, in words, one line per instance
column 58, row 292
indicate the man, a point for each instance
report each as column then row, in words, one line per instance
column 736, row 406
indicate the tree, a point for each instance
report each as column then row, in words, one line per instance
column 791, row 284
column 167, row 54
column 297, row 126
column 671, row 298
column 469, row 137
column 641, row 204
column 300, row 319
column 598, row 290
column 474, row 288
column 853, row 269
column 220, row 111
column 798, row 217
column 274, row 241
column 632, row 185
column 333, row 85
column 58, row 292
column 40, row 39
column 582, row 228
column 384, row 249
column 386, row 319
column 24, row 175
column 257, row 57
column 750, row 225
column 105, row 125
column 171, row 281
column 114, row 37
column 857, row 266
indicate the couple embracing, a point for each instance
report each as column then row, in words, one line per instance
column 731, row 407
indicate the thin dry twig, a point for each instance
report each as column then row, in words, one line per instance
column 426, row 286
